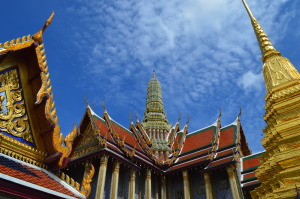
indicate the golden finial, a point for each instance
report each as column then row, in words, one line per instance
column 85, row 101
column 103, row 105
column 220, row 114
column 188, row 119
column 154, row 74
column 130, row 116
column 180, row 115
column 265, row 44
column 136, row 116
column 38, row 37
column 240, row 113
column 248, row 9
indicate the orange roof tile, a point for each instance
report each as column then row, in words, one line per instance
column 199, row 139
column 251, row 162
column 227, row 136
column 35, row 175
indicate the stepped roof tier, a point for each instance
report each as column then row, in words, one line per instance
column 155, row 116
column 248, row 166
column 29, row 181
column 209, row 148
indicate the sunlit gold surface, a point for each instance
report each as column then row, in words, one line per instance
column 280, row 169
column 38, row 37
column 86, row 182
column 15, row 120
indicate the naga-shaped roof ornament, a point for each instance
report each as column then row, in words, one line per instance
column 38, row 37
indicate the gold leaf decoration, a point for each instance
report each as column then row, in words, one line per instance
column 13, row 115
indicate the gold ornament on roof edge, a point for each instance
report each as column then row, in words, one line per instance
column 38, row 37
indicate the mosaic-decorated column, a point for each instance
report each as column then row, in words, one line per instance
column 84, row 174
column 131, row 193
column 186, row 185
column 101, row 177
column 115, row 181
column 163, row 188
column 208, row 189
column 233, row 183
column 148, row 184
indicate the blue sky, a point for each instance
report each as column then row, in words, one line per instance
column 204, row 52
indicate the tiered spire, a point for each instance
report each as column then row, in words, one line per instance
column 155, row 120
column 279, row 171
column 154, row 116
column 266, row 47
column 276, row 69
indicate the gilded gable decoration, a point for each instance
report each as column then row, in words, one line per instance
column 13, row 116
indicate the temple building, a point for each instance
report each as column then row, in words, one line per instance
column 151, row 158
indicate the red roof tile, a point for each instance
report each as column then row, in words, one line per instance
column 251, row 162
column 220, row 162
column 227, row 136
column 35, row 175
column 125, row 133
column 192, row 155
column 198, row 139
column 249, row 176
column 251, row 183
column 194, row 161
column 102, row 126
column 225, row 153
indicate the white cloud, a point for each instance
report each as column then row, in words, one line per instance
column 251, row 80
column 200, row 49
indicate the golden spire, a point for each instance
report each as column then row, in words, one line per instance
column 276, row 69
column 38, row 37
column 265, row 44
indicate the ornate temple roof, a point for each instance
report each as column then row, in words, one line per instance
column 248, row 166
column 210, row 148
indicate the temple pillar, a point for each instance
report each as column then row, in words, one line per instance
column 156, row 191
column 115, row 181
column 131, row 193
column 186, row 185
column 148, row 184
column 208, row 189
column 163, row 188
column 101, row 177
column 84, row 174
column 233, row 183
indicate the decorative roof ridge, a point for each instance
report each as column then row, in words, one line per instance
column 19, row 150
column 16, row 44
column 115, row 135
column 181, row 141
column 187, row 161
column 52, row 175
column 190, row 134
column 36, row 187
column 173, row 128
column 260, row 152
column 144, row 134
column 60, row 144
column 140, row 140
column 92, row 111
column 223, row 158
column 126, row 129
column 234, row 123
column 172, row 139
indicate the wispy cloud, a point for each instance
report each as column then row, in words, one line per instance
column 205, row 54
